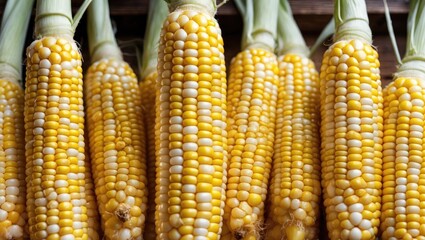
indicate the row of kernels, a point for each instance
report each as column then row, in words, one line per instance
column 401, row 199
column 357, row 158
column 122, row 181
column 12, row 160
column 294, row 181
column 50, row 74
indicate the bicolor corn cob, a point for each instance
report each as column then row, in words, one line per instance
column 351, row 127
column 12, row 162
column 351, row 110
column 295, row 183
column 252, row 97
column 403, row 198
column 54, row 123
column 191, row 125
column 13, row 215
column 117, row 147
column 148, row 93
column 404, row 165
column 116, row 131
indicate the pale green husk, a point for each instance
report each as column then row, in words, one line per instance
column 158, row 12
column 102, row 42
column 413, row 63
column 289, row 37
column 14, row 28
column 54, row 18
column 260, row 23
column 351, row 21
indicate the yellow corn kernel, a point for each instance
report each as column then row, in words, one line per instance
column 295, row 181
column 190, row 125
column 117, row 143
column 54, row 125
column 148, row 94
column 351, row 133
column 403, row 159
column 252, row 97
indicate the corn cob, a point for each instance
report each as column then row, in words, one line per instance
column 403, row 155
column 148, row 94
column 295, row 183
column 158, row 11
column 403, row 159
column 13, row 216
column 351, row 110
column 116, row 131
column 117, row 147
column 252, row 96
column 56, row 184
column 54, row 124
column 190, row 125
column 251, row 108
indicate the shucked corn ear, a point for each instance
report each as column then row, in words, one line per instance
column 352, row 125
column 148, row 93
column 54, row 125
column 295, row 184
column 117, row 147
column 403, row 206
column 351, row 109
column 116, row 131
column 191, row 124
column 13, row 217
column 403, row 159
column 252, row 96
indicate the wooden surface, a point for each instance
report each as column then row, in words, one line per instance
column 317, row 7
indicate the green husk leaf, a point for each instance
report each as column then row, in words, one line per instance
column 102, row 42
column 413, row 63
column 14, row 28
column 54, row 18
column 289, row 37
column 351, row 21
column 416, row 29
column 158, row 12
column 391, row 32
column 260, row 23
column 80, row 13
